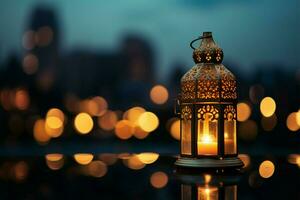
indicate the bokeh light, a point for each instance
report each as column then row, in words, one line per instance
column 55, row 161
column 54, row 156
column 266, row 169
column 294, row 159
column 159, row 94
column 124, row 155
column 54, row 122
column 7, row 98
column 72, row 103
column 245, row 159
column 95, row 106
column 291, row 122
column 124, row 129
column 140, row 133
column 108, row 158
column 44, row 36
column 20, row 171
column 133, row 114
column 159, row 179
column 148, row 121
column 30, row 64
column 243, row 111
column 55, row 112
column 267, row 107
column 83, row 158
column 83, row 123
column 175, row 129
column 53, row 132
column 39, row 132
column 133, row 162
column 298, row 117
column 102, row 106
column 22, row 99
column 148, row 157
column 247, row 130
column 97, row 169
column 108, row 121
column 28, row 40
column 269, row 123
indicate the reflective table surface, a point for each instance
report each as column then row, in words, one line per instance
column 144, row 176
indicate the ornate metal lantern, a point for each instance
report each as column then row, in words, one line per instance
column 207, row 105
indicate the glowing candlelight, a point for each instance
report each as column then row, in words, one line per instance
column 207, row 143
column 208, row 193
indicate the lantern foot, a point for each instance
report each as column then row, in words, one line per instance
column 232, row 162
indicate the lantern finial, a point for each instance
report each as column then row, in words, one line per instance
column 208, row 51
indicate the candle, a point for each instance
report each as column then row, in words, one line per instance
column 207, row 145
column 208, row 193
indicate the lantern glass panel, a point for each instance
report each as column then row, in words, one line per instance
column 207, row 138
column 230, row 130
column 208, row 193
column 186, row 132
column 231, row 192
column 186, row 192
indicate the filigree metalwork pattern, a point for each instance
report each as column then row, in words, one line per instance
column 188, row 90
column 212, row 110
column 208, row 86
column 188, row 84
column 206, row 81
column 186, row 113
column 228, row 83
column 229, row 113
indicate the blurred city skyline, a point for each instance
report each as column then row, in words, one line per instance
column 102, row 85
column 168, row 27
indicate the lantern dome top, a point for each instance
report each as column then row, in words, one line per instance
column 208, row 81
column 208, row 51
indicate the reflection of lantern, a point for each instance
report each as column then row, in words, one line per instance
column 208, row 186
column 208, row 110
column 207, row 192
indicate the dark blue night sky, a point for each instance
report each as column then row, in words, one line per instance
column 250, row 32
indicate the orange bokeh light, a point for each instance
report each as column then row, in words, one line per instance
column 159, row 179
column 39, row 132
column 243, row 111
column 83, row 123
column 159, row 94
column 148, row 121
column 83, row 158
column 266, row 169
column 124, row 129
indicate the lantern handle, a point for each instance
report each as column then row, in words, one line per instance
column 199, row 38
column 176, row 106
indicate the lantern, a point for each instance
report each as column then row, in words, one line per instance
column 207, row 108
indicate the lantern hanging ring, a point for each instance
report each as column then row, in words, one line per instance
column 199, row 38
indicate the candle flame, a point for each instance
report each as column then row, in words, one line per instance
column 207, row 190
column 207, row 138
column 207, row 178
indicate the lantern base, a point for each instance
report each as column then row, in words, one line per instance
column 233, row 162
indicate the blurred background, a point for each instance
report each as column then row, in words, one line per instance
column 103, row 77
